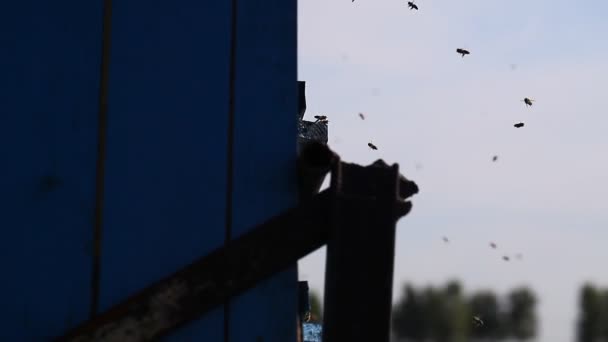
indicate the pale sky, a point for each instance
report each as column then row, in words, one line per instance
column 545, row 197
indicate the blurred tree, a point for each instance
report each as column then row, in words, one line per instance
column 458, row 312
column 316, row 309
column 446, row 315
column 485, row 305
column 592, row 312
column 410, row 320
column 603, row 319
column 436, row 314
column 522, row 319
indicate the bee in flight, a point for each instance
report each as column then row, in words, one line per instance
column 493, row 245
column 372, row 146
column 495, row 158
column 362, row 116
column 412, row 5
column 505, row 258
column 478, row 322
column 518, row 125
column 321, row 118
column 527, row 101
column 445, row 239
column 463, row 52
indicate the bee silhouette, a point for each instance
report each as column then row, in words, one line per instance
column 372, row 146
column 495, row 158
column 463, row 52
column 505, row 258
column 321, row 118
column 528, row 102
column 493, row 245
column 519, row 125
column 445, row 239
column 478, row 322
column 361, row 116
column 412, row 5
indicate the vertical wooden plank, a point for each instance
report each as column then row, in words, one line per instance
column 49, row 88
column 265, row 131
column 166, row 156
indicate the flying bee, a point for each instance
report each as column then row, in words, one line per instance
column 362, row 116
column 372, row 146
column 412, row 5
column 477, row 321
column 506, row 258
column 463, row 52
column 518, row 125
column 493, row 245
column 321, row 119
column 495, row 158
column 445, row 239
column 527, row 101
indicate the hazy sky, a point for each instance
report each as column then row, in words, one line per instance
column 545, row 197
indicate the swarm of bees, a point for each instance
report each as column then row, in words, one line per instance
column 527, row 101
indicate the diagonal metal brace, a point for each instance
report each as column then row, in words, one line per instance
column 271, row 247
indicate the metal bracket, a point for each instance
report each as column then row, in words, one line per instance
column 362, row 202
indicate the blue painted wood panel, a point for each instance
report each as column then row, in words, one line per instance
column 264, row 156
column 49, row 86
column 166, row 158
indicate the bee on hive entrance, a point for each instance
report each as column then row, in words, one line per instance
column 527, row 101
column 372, row 146
column 463, row 52
column 519, row 125
column 412, row 5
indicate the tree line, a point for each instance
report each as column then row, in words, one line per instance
column 446, row 314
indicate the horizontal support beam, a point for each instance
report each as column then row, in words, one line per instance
column 215, row 278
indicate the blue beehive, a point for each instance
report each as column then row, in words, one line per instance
column 136, row 137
